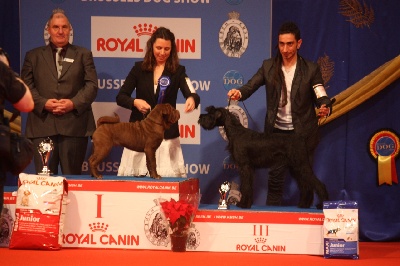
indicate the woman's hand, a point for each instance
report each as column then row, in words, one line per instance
column 189, row 105
column 142, row 106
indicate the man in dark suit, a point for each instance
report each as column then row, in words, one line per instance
column 63, row 97
column 294, row 87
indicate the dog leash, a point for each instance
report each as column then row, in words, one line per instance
column 321, row 120
column 148, row 112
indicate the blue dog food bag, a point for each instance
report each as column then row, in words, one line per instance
column 341, row 229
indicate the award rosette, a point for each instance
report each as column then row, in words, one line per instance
column 164, row 82
column 384, row 146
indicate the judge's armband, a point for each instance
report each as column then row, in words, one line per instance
column 321, row 95
column 319, row 91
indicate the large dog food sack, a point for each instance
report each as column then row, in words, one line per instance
column 39, row 212
column 340, row 229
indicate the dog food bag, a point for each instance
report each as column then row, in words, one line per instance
column 341, row 229
column 39, row 212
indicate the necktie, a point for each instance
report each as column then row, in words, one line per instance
column 59, row 60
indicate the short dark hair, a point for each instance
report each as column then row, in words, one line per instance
column 290, row 27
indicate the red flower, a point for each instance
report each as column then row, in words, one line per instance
column 179, row 213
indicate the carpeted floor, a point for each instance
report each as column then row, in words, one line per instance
column 371, row 254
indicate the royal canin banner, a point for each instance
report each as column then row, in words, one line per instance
column 130, row 37
column 125, row 214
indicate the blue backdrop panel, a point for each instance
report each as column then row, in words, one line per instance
column 207, row 160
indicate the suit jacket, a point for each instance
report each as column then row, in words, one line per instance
column 142, row 82
column 302, row 97
column 78, row 82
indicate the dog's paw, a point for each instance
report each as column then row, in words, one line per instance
column 319, row 206
column 156, row 177
column 98, row 177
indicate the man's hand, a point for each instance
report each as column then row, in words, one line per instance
column 324, row 111
column 59, row 107
column 234, row 94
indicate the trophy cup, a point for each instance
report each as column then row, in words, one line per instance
column 223, row 190
column 45, row 148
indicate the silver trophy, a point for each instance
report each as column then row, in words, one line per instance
column 223, row 191
column 45, row 148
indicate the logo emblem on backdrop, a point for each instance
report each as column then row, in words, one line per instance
column 233, row 36
column 46, row 35
column 384, row 147
column 240, row 115
column 144, row 29
column 229, row 164
column 233, row 79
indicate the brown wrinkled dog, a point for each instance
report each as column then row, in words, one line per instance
column 141, row 136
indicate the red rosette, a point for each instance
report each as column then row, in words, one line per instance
column 384, row 146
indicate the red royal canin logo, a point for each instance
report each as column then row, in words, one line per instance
column 98, row 227
column 113, row 44
column 144, row 29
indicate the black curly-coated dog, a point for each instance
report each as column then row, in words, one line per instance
column 250, row 149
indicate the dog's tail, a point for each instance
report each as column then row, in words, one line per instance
column 108, row 120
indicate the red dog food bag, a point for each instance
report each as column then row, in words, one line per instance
column 39, row 212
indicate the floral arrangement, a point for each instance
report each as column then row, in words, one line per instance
column 180, row 214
